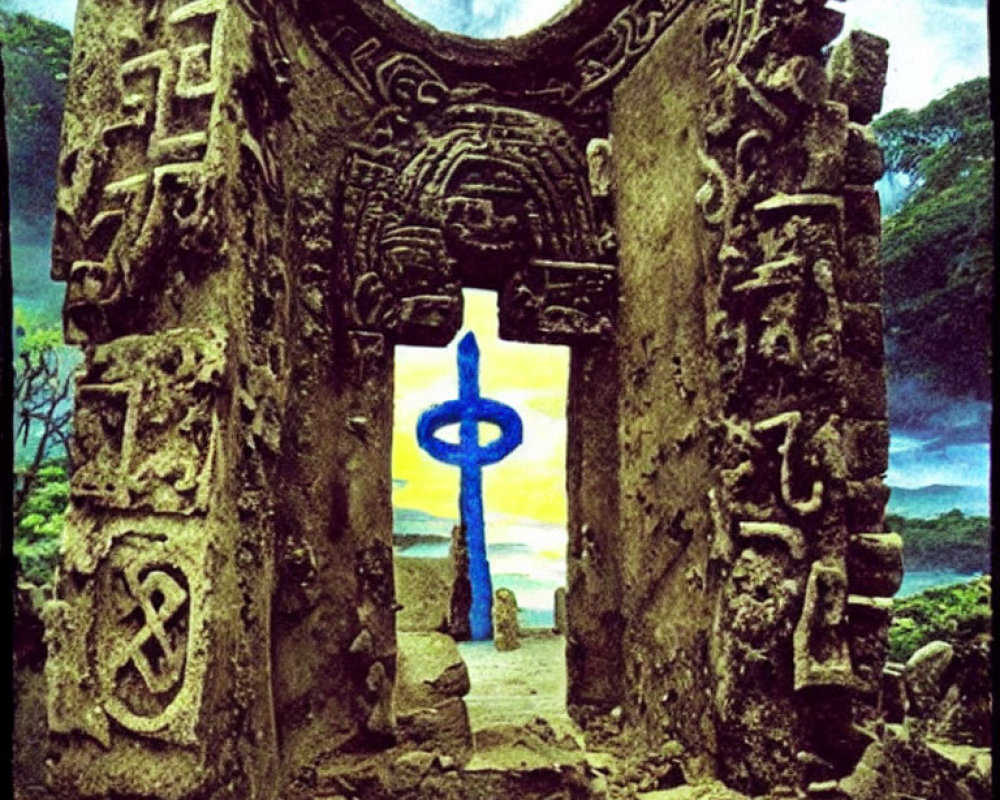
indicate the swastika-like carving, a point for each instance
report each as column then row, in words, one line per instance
column 143, row 178
column 149, row 628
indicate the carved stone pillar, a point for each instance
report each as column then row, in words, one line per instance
column 168, row 210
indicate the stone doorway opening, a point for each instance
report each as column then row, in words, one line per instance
column 525, row 511
column 494, row 19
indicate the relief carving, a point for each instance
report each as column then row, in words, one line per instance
column 822, row 654
column 628, row 37
column 773, row 159
column 143, row 610
column 145, row 652
column 474, row 193
column 142, row 180
column 145, row 431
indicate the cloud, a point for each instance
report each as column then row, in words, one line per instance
column 61, row 12
column 933, row 45
column 484, row 19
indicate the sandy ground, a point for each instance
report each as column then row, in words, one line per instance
column 517, row 686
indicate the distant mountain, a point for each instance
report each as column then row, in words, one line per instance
column 930, row 501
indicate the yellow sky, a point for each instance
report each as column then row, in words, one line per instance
column 530, row 483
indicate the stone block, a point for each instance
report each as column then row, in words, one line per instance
column 868, row 626
column 857, row 70
column 864, row 163
column 423, row 589
column 864, row 387
column 826, row 143
column 875, row 564
column 866, row 501
column 430, row 670
column 894, row 701
column 459, row 624
column 862, row 210
column 505, row 627
column 443, row 728
column 866, row 448
column 559, row 611
column 860, row 279
column 818, row 29
column 925, row 673
column 863, row 332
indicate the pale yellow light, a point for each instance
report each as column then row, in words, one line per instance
column 530, row 483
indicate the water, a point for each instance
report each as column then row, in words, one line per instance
column 919, row 581
column 527, row 558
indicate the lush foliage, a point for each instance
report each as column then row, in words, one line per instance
column 42, row 413
column 950, row 541
column 40, row 522
column 937, row 249
column 36, row 59
column 950, row 613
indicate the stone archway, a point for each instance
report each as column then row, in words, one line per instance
column 258, row 199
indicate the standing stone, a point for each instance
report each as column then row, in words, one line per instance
column 925, row 674
column 561, row 624
column 461, row 589
column 505, row 630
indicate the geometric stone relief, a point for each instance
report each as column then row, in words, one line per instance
column 627, row 37
column 144, row 636
column 146, row 422
column 130, row 648
column 822, row 655
column 580, row 81
column 140, row 182
column 553, row 302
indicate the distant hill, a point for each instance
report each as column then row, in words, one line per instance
column 930, row 501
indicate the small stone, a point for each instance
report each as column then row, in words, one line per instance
column 924, row 674
column 505, row 627
column 561, row 619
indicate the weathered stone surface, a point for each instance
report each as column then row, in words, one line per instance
column 258, row 201
column 865, row 163
column 925, row 671
column 459, row 625
column 431, row 679
column 857, row 74
column 561, row 625
column 429, row 670
column 963, row 714
column 506, row 631
column 894, row 698
column 875, row 564
column 423, row 589
column 863, row 210
column 866, row 448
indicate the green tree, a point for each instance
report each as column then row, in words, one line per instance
column 951, row 613
column 36, row 58
column 950, row 541
column 42, row 418
column 40, row 522
column 937, row 249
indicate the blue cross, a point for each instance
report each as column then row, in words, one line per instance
column 470, row 456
